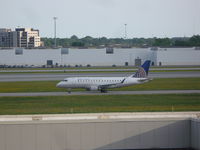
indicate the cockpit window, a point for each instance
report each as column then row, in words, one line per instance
column 65, row 80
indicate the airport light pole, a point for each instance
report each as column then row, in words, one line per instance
column 125, row 32
column 55, row 18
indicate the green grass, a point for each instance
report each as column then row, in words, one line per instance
column 29, row 86
column 50, row 86
column 99, row 103
column 167, row 84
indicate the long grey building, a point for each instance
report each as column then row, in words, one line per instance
column 100, row 57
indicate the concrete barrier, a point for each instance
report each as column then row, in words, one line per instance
column 100, row 131
column 195, row 133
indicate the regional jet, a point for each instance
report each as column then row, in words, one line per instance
column 104, row 83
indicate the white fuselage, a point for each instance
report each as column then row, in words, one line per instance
column 98, row 83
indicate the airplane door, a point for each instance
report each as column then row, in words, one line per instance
column 138, row 62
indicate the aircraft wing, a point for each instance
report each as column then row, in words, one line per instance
column 145, row 80
column 107, row 86
column 111, row 85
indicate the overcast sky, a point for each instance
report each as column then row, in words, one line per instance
column 97, row 18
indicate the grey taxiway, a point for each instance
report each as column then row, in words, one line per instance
column 98, row 93
column 91, row 69
column 60, row 76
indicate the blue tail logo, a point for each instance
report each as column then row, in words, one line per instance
column 142, row 71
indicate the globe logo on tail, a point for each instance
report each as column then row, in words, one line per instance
column 141, row 73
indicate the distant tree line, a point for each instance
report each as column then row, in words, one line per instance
column 89, row 41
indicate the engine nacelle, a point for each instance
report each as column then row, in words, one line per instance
column 93, row 88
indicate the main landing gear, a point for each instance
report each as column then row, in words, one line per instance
column 104, row 91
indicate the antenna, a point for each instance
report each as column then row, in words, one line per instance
column 55, row 18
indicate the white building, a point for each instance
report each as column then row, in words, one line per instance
column 27, row 37
column 100, row 57
column 21, row 37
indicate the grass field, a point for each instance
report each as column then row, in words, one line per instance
column 156, row 84
column 100, row 103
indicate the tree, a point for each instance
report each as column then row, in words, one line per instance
column 162, row 42
column 89, row 41
column 74, row 37
column 77, row 44
column 195, row 40
column 181, row 43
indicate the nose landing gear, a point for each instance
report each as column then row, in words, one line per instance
column 69, row 90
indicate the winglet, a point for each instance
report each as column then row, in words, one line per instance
column 143, row 70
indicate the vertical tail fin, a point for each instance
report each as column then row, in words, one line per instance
column 143, row 71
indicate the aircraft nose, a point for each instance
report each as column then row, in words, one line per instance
column 58, row 85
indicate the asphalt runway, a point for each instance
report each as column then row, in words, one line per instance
column 60, row 76
column 99, row 93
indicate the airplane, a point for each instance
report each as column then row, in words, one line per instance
column 104, row 83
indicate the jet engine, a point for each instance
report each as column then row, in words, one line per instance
column 93, row 88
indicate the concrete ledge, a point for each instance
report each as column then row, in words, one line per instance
column 100, row 116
